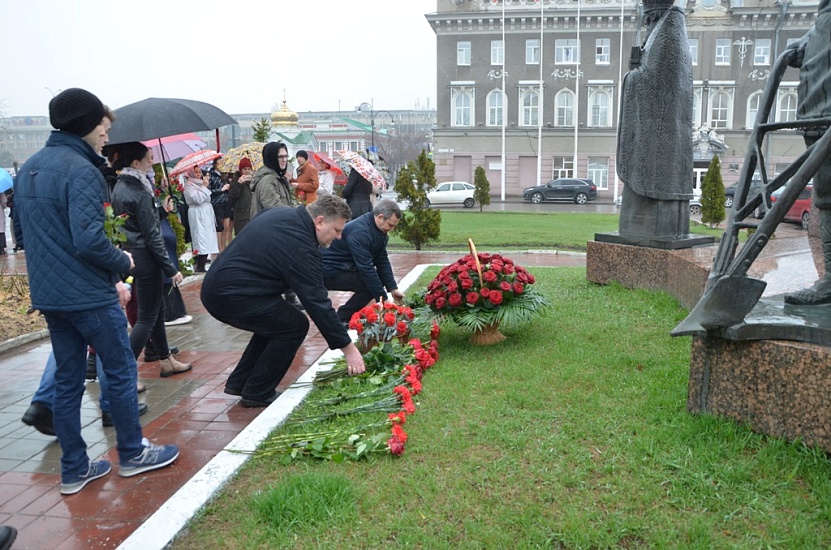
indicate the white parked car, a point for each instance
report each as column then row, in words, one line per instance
column 452, row 192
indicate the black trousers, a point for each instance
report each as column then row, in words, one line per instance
column 148, row 279
column 350, row 281
column 279, row 330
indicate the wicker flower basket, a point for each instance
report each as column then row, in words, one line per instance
column 487, row 336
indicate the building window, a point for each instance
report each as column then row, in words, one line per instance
column 461, row 101
column 693, row 42
column 599, row 101
column 696, row 114
column 566, row 51
column 463, row 53
column 602, row 51
column 532, row 52
column 495, row 108
column 761, row 52
column 719, row 110
column 752, row 109
column 722, row 51
column 530, row 102
column 565, row 108
column 563, row 167
column 791, row 41
column 786, row 108
column 599, row 171
column 497, row 53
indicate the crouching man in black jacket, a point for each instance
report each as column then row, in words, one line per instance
column 279, row 250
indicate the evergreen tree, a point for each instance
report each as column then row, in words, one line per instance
column 262, row 130
column 712, row 195
column 482, row 193
column 418, row 225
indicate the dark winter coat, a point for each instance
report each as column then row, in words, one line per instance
column 362, row 248
column 357, row 193
column 59, row 197
column 277, row 251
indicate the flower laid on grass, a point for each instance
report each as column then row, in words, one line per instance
column 114, row 225
column 340, row 413
column 379, row 323
column 484, row 289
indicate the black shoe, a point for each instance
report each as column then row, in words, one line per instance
column 7, row 536
column 232, row 391
column 154, row 356
column 107, row 419
column 39, row 416
column 92, row 368
column 257, row 403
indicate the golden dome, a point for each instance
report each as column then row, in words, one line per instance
column 284, row 116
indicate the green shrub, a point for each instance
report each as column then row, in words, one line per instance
column 712, row 195
column 482, row 194
column 419, row 225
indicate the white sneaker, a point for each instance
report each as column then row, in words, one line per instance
column 180, row 321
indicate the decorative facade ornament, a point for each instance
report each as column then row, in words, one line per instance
column 707, row 143
column 567, row 74
column 742, row 44
column 495, row 74
column 756, row 74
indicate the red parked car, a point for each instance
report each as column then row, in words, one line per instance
column 800, row 212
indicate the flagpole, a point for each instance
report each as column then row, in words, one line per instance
column 577, row 94
column 541, row 109
column 504, row 100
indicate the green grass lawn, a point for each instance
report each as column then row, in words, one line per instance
column 573, row 433
column 524, row 230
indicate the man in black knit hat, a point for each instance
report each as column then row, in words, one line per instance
column 73, row 269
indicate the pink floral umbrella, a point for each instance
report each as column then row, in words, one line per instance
column 174, row 147
column 194, row 159
column 364, row 168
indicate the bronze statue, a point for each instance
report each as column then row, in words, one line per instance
column 655, row 157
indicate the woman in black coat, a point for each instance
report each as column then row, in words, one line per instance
column 357, row 193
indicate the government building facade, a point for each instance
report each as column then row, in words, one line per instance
column 541, row 80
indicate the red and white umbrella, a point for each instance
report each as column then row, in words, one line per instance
column 194, row 159
column 364, row 168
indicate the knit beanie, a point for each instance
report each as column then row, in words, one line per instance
column 76, row 111
column 244, row 162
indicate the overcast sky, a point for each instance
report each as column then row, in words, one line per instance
column 237, row 55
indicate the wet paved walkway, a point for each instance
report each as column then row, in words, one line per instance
column 190, row 410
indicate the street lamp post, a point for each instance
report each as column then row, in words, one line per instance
column 372, row 114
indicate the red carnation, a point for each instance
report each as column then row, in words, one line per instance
column 396, row 446
column 107, row 205
column 399, row 417
column 389, row 319
column 495, row 297
column 157, row 191
column 401, row 327
column 435, row 331
column 398, row 431
column 372, row 317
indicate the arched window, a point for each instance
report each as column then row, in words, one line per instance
column 599, row 105
column 786, row 110
column 530, row 109
column 495, row 108
column 752, row 108
column 565, row 108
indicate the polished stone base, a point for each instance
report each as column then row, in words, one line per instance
column 664, row 243
column 776, row 387
column 774, row 319
column 675, row 272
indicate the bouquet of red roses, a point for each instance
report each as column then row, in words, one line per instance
column 379, row 323
column 484, row 289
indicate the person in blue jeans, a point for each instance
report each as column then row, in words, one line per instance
column 72, row 270
column 39, row 413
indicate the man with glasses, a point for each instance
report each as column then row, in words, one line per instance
column 270, row 185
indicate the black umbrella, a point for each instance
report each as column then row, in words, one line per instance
column 157, row 117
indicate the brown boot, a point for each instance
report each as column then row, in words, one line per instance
column 171, row 365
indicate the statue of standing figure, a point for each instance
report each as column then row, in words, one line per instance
column 812, row 55
column 654, row 155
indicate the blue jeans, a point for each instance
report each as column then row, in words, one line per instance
column 105, row 329
column 46, row 390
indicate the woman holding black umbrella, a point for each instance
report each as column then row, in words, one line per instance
column 134, row 196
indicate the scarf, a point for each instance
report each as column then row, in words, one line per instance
column 141, row 176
